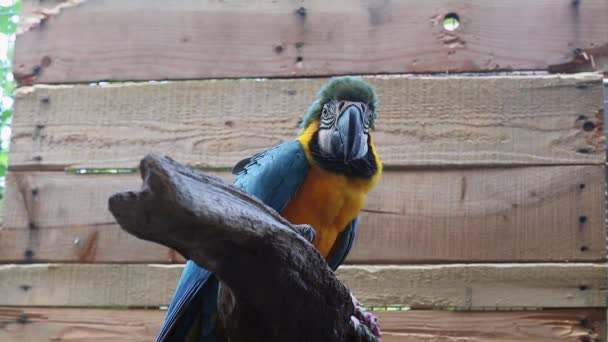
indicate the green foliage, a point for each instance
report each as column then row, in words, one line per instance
column 101, row 171
column 9, row 18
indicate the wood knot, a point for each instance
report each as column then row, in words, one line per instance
column 29, row 256
column 301, row 12
column 46, row 61
column 23, row 319
column 588, row 126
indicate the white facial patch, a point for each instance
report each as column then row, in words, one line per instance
column 325, row 140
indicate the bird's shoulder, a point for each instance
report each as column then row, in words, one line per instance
column 273, row 175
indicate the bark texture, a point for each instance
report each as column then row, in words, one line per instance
column 275, row 285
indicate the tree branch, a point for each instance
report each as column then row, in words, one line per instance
column 275, row 285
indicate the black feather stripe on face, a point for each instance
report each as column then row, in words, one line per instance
column 365, row 167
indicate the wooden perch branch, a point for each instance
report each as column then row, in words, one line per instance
column 275, row 285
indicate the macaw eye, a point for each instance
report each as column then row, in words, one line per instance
column 327, row 117
column 325, row 113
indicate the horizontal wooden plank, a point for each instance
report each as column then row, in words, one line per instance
column 540, row 326
column 59, row 324
column 423, row 121
column 84, row 243
column 141, row 40
column 39, row 325
column 463, row 286
column 552, row 213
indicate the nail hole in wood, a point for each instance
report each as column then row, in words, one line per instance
column 588, row 126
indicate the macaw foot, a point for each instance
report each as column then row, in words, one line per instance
column 364, row 324
column 306, row 231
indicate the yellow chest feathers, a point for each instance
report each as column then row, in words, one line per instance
column 327, row 202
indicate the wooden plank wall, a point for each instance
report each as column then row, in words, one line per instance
column 492, row 204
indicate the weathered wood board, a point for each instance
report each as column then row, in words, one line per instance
column 551, row 213
column 145, row 39
column 29, row 324
column 463, row 286
column 423, row 121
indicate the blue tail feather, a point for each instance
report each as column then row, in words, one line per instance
column 197, row 288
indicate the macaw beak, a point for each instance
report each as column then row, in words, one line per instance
column 349, row 140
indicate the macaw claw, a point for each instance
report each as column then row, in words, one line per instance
column 365, row 325
column 306, row 231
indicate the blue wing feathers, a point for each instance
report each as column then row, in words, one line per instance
column 343, row 245
column 194, row 288
column 273, row 176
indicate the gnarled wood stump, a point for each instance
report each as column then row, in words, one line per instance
column 275, row 285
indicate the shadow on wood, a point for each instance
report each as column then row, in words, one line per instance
column 269, row 272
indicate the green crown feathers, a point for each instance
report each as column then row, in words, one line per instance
column 343, row 88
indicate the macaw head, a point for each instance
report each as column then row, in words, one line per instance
column 340, row 120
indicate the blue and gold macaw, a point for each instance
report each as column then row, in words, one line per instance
column 319, row 179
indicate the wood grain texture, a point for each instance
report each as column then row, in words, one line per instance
column 545, row 326
column 513, row 214
column 526, row 214
column 424, row 121
column 141, row 40
column 29, row 324
column 463, row 286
